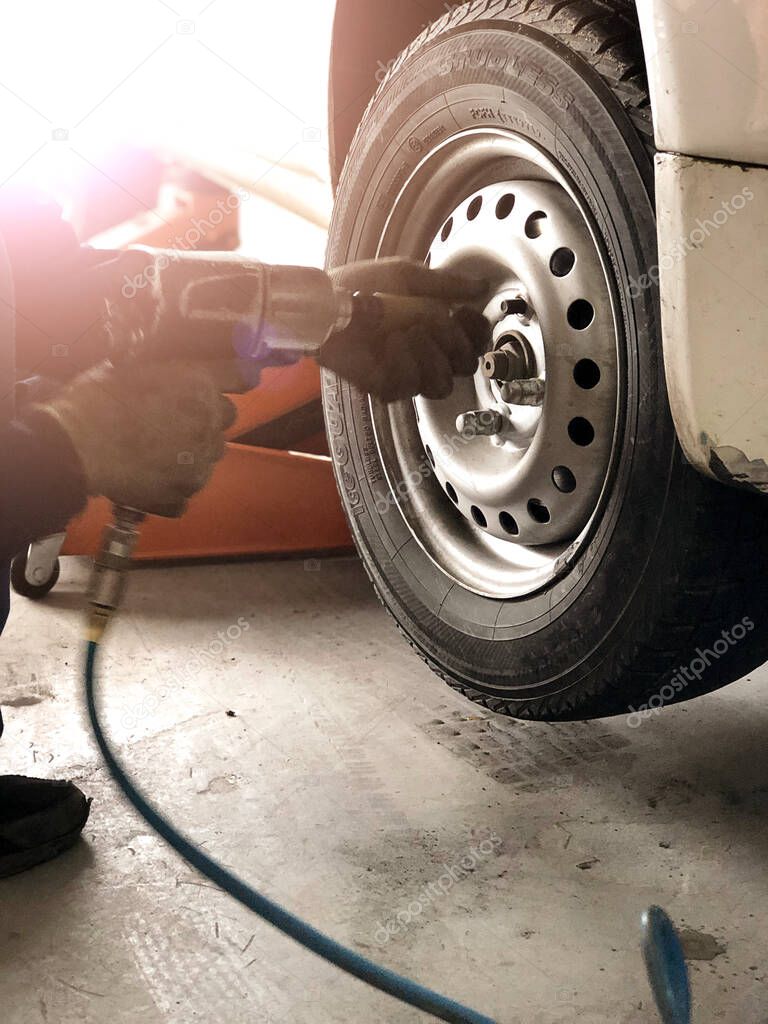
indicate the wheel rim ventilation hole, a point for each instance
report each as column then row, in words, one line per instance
column 586, row 373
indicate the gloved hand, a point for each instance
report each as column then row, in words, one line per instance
column 422, row 359
column 147, row 434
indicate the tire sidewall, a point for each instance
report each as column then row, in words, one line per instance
column 503, row 75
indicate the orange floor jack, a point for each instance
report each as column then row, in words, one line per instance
column 273, row 493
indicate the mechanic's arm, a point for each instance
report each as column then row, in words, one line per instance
column 147, row 435
column 43, row 484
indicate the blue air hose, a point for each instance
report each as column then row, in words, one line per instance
column 393, row 984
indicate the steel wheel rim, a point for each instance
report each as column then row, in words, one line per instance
column 502, row 516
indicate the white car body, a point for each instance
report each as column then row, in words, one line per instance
column 708, row 78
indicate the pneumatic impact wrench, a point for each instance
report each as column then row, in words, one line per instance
column 169, row 304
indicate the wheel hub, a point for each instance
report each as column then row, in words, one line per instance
column 545, row 395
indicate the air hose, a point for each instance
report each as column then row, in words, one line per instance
column 663, row 953
column 348, row 960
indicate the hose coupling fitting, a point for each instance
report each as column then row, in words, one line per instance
column 108, row 577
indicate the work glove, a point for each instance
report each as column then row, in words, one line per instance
column 422, row 358
column 147, row 434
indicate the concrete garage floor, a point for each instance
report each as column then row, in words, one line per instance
column 316, row 755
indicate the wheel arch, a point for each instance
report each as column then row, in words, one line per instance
column 367, row 35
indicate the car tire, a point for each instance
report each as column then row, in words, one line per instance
column 659, row 598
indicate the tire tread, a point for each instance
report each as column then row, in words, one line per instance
column 614, row 25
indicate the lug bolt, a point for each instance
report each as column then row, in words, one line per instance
column 480, row 423
column 526, row 391
column 517, row 305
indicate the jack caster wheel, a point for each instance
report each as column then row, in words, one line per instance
column 33, row 590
